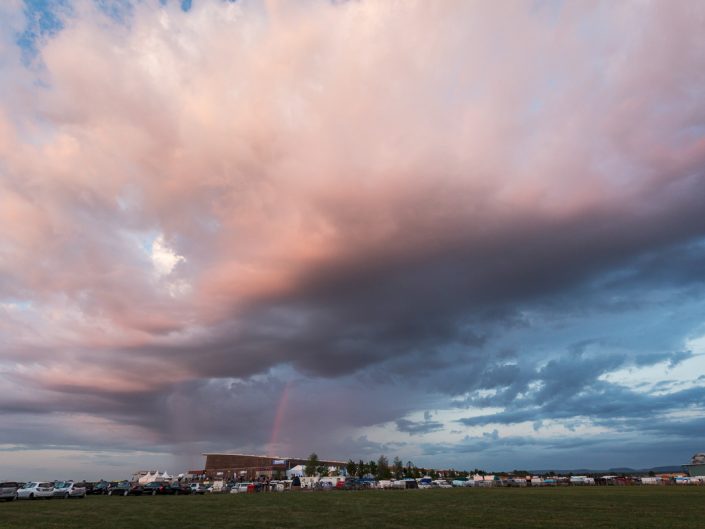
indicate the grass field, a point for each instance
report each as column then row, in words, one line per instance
column 594, row 507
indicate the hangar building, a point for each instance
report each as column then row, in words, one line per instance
column 229, row 466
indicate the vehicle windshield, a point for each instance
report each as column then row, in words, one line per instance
column 29, row 485
column 46, row 485
column 61, row 484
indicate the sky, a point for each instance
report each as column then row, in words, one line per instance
column 468, row 234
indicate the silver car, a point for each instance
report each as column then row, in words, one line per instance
column 68, row 489
column 35, row 490
column 8, row 490
column 198, row 488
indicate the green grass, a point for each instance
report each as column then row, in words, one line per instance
column 570, row 507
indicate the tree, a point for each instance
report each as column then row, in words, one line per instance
column 383, row 471
column 372, row 467
column 397, row 467
column 362, row 469
column 311, row 464
column 351, row 467
column 410, row 471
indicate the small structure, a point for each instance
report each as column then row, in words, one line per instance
column 697, row 465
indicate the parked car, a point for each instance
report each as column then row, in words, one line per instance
column 384, row 484
column 198, row 488
column 425, row 482
column 279, row 485
column 349, row 484
column 441, row 484
column 36, row 489
column 368, row 483
column 155, row 487
column 177, row 488
column 68, row 489
column 8, row 490
column 408, row 483
column 102, row 487
column 119, row 488
column 223, row 488
column 241, row 488
column 136, row 490
column 323, row 485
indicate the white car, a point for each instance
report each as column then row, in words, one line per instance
column 198, row 488
column 384, row 484
column 442, row 484
column 239, row 488
column 8, row 490
column 36, row 489
column 277, row 486
column 68, row 489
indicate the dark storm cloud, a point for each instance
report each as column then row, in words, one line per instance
column 346, row 318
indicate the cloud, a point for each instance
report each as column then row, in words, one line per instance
column 418, row 427
column 390, row 205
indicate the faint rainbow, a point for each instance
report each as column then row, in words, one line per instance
column 279, row 416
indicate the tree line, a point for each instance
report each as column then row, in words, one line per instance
column 382, row 469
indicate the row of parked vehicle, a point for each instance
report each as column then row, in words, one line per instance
column 35, row 490
column 68, row 489
column 331, row 483
column 125, row 488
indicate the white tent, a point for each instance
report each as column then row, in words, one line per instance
column 155, row 476
column 148, row 477
column 298, row 470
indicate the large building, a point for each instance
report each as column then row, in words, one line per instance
column 697, row 465
column 229, row 466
